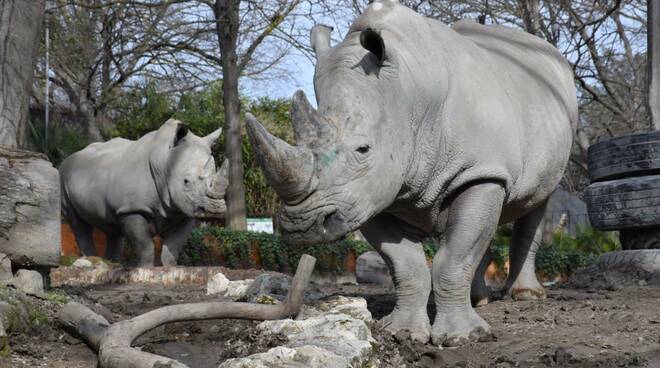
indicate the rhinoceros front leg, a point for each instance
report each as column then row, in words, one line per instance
column 405, row 258
column 472, row 219
column 136, row 229
column 522, row 283
column 173, row 241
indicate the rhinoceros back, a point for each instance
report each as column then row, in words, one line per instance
column 533, row 87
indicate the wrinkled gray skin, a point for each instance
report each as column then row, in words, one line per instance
column 426, row 129
column 159, row 184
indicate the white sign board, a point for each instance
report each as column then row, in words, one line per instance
column 260, row 225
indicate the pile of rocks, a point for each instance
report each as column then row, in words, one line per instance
column 331, row 334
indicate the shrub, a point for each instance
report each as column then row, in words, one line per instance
column 202, row 111
column 565, row 254
column 63, row 140
column 213, row 245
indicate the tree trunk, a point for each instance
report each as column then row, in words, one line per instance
column 20, row 28
column 653, row 62
column 227, row 23
column 530, row 9
column 29, row 209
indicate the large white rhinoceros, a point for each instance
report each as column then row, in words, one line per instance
column 426, row 129
column 159, row 184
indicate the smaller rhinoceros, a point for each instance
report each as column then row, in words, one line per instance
column 160, row 184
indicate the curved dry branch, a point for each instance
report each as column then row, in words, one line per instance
column 113, row 342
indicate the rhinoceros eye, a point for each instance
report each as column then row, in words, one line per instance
column 363, row 149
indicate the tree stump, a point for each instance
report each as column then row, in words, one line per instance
column 29, row 208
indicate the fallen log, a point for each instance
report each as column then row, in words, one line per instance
column 113, row 342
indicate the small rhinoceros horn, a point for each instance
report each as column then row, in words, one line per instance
column 308, row 126
column 288, row 169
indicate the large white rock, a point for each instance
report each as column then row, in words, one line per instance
column 338, row 333
column 237, row 289
column 217, row 284
column 334, row 334
column 83, row 263
column 303, row 356
column 30, row 282
column 30, row 218
column 354, row 307
column 5, row 270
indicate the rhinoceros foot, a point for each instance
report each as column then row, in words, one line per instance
column 527, row 293
column 527, row 287
column 416, row 323
column 458, row 327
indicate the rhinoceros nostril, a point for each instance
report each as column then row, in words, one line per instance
column 333, row 223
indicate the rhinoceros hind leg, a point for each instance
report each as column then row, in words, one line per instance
column 472, row 219
column 480, row 293
column 136, row 229
column 174, row 240
column 404, row 255
column 83, row 233
column 114, row 247
column 522, row 283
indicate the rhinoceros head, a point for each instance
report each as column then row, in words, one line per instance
column 185, row 172
column 351, row 156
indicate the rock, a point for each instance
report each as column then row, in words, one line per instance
column 354, row 307
column 302, row 356
column 217, row 284
column 338, row 333
column 29, row 209
column 30, row 282
column 237, row 289
column 271, row 284
column 371, row 269
column 82, row 263
column 5, row 270
column 266, row 299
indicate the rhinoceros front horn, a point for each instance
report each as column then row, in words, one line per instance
column 288, row 169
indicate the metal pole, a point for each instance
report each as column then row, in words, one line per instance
column 47, row 102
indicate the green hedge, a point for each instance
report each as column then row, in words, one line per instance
column 212, row 245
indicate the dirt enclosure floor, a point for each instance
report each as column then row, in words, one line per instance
column 593, row 320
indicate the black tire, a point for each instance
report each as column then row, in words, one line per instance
column 623, row 157
column 624, row 203
column 632, row 239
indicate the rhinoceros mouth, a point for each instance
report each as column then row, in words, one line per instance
column 322, row 225
column 211, row 209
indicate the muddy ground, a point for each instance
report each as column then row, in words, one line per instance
column 593, row 320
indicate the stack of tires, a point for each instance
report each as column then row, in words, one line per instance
column 624, row 195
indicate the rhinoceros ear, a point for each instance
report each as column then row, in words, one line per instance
column 320, row 38
column 224, row 169
column 211, row 138
column 181, row 132
column 372, row 41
